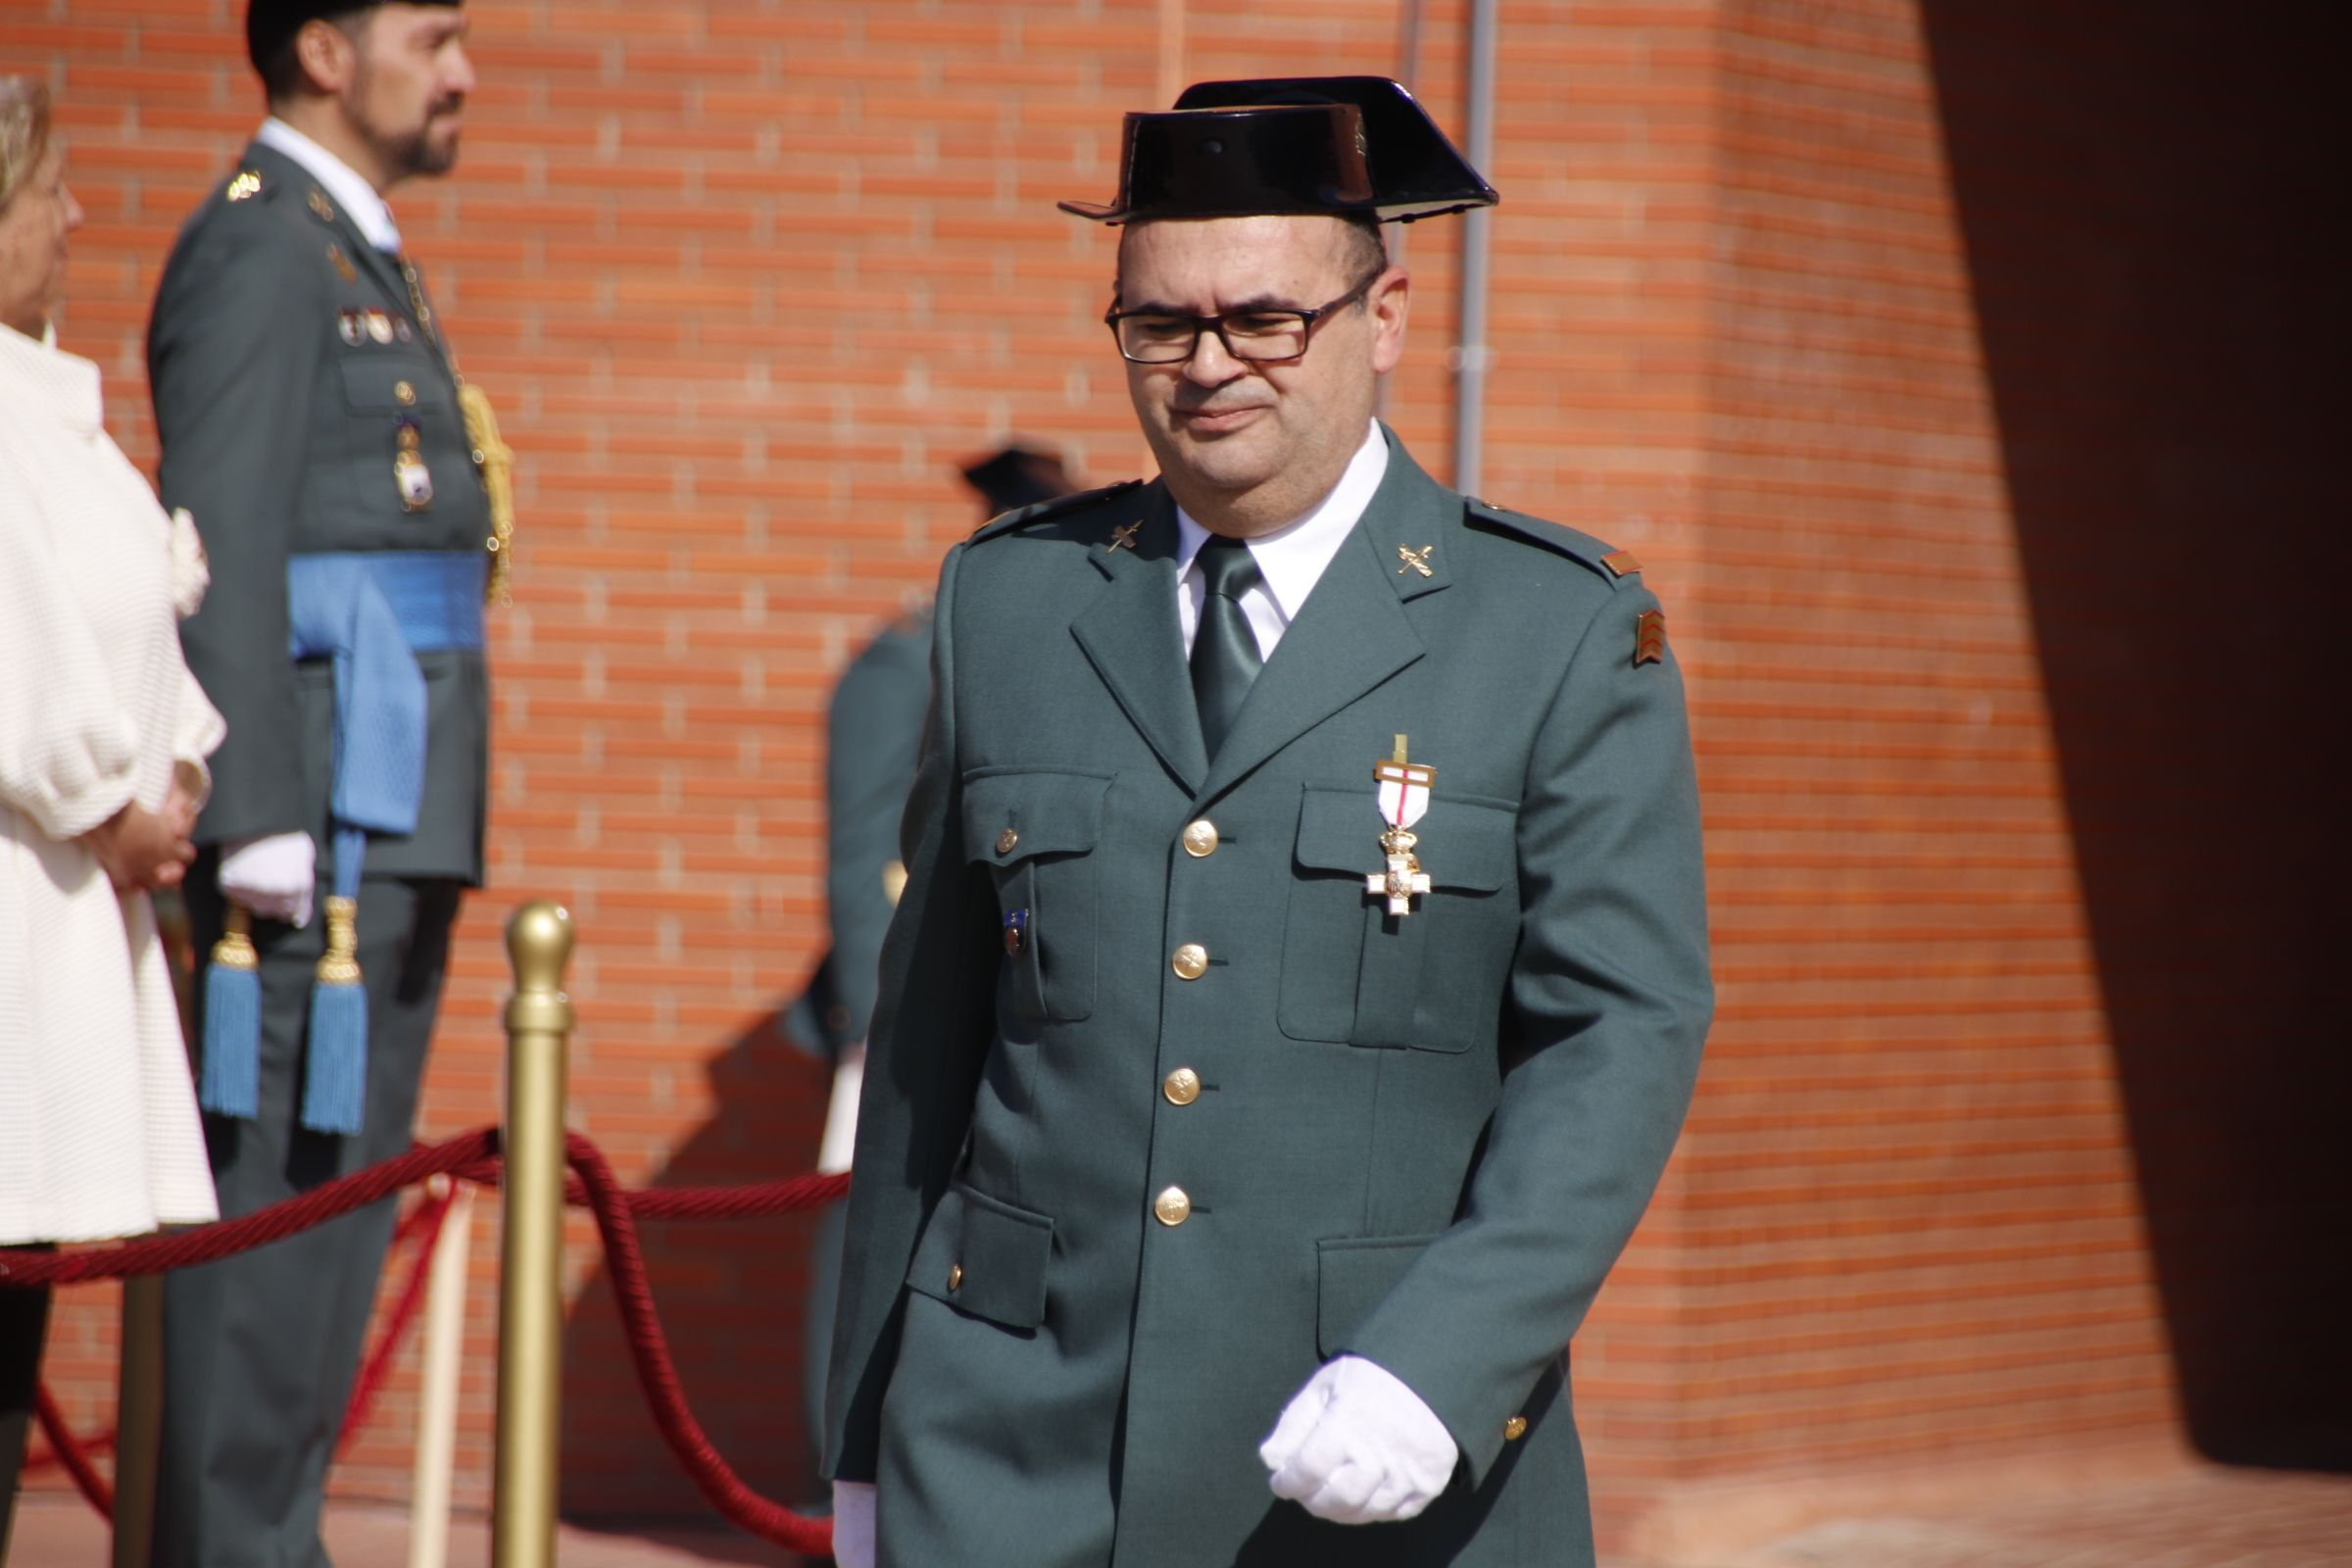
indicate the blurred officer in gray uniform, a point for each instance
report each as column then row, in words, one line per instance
column 311, row 418
column 1302, row 971
column 874, row 731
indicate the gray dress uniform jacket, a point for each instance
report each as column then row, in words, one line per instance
column 279, row 433
column 1423, row 1140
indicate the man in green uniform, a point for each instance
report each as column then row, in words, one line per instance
column 1302, row 972
column 310, row 419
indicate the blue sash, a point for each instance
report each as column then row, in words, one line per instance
column 372, row 613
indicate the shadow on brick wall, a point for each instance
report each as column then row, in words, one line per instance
column 2152, row 202
column 731, row 1297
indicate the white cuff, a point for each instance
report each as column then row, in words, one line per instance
column 854, row 1524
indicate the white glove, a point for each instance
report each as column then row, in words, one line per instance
column 1356, row 1447
column 274, row 878
column 854, row 1524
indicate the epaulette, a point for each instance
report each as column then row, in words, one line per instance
column 1603, row 561
column 1022, row 517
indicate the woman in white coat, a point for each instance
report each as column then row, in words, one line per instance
column 103, row 736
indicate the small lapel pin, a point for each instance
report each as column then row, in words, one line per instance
column 1123, row 537
column 334, row 254
column 1415, row 560
column 321, row 206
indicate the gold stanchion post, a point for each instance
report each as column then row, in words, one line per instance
column 530, row 1306
column 138, row 1420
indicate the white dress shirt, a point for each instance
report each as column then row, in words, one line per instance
column 342, row 183
column 1290, row 560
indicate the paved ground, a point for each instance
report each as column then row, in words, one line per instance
column 55, row 1532
column 2199, row 1518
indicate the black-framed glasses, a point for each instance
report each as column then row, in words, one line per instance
column 1163, row 338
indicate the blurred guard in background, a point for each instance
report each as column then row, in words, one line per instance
column 874, row 731
column 312, row 417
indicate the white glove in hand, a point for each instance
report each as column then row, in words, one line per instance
column 274, row 878
column 854, row 1524
column 1356, row 1447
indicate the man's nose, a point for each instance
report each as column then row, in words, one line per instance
column 1212, row 363
column 459, row 75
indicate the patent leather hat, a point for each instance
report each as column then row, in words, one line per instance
column 1343, row 146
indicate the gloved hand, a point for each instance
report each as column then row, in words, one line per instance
column 274, row 878
column 1356, row 1447
column 854, row 1524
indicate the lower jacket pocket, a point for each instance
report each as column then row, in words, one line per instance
column 985, row 1257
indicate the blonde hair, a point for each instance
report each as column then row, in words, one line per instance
column 23, row 132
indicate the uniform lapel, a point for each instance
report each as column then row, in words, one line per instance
column 1353, row 632
column 1131, row 635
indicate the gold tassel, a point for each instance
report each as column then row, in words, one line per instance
column 497, row 462
column 339, row 965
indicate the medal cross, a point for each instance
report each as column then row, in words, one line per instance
column 1400, row 884
column 1122, row 537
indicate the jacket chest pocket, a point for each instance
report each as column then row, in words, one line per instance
column 1429, row 980
column 1037, row 832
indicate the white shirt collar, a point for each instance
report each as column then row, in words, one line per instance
column 343, row 183
column 1292, row 559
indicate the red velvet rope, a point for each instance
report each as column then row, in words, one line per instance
column 475, row 1156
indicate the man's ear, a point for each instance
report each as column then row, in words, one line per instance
column 1388, row 302
column 328, row 56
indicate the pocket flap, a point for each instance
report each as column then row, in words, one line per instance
column 995, row 1253
column 1351, row 1275
column 374, row 384
column 1468, row 845
column 1008, row 818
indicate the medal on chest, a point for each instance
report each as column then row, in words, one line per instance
column 1404, row 798
column 409, row 473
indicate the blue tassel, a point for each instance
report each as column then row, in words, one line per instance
column 335, row 1093
column 229, row 1084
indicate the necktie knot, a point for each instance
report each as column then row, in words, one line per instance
column 1227, row 568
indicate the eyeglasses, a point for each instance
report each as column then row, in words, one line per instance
column 1163, row 337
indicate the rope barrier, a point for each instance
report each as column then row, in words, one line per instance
column 472, row 1156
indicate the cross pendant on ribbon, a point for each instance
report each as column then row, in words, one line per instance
column 1400, row 883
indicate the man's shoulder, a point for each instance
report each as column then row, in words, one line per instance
column 1602, row 560
column 1071, row 511
column 262, row 219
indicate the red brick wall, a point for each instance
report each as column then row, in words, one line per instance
column 747, row 280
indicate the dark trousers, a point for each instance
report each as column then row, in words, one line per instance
column 260, row 1350
column 24, row 1324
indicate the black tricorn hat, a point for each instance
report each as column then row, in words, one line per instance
column 268, row 23
column 1017, row 476
column 1347, row 146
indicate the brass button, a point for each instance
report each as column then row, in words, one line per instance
column 1200, row 839
column 403, row 392
column 1182, row 1087
column 1172, row 1207
column 1006, row 840
column 1191, row 961
column 1514, row 1428
column 955, row 1281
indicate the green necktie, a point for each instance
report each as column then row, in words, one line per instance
column 1225, row 658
